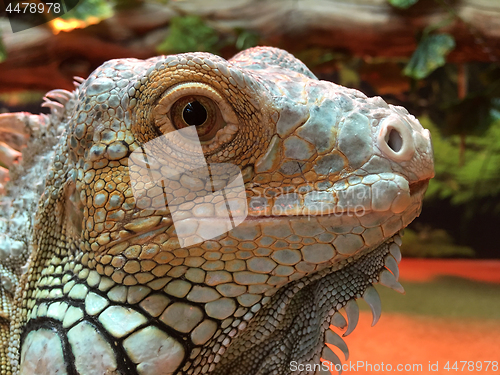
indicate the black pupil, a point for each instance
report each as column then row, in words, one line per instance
column 194, row 113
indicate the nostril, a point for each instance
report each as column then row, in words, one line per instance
column 394, row 140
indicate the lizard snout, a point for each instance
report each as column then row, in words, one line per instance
column 402, row 139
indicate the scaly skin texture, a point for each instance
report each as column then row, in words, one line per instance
column 134, row 265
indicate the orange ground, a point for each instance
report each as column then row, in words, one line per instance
column 420, row 340
column 427, row 269
column 399, row 339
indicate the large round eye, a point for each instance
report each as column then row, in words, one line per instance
column 198, row 106
column 200, row 112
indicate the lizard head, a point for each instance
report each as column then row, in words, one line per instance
column 189, row 126
column 221, row 205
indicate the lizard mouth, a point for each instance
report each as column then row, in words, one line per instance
column 340, row 205
column 386, row 192
column 419, row 187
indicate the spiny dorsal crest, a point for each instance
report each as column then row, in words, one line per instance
column 27, row 148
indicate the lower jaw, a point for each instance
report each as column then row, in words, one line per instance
column 312, row 308
column 336, row 223
column 317, row 243
column 348, row 234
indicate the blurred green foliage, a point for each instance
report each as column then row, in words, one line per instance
column 478, row 110
column 429, row 55
column 402, row 3
column 21, row 98
column 88, row 9
column 432, row 243
column 246, row 39
column 192, row 34
column 3, row 52
column 478, row 178
column 315, row 56
column 189, row 34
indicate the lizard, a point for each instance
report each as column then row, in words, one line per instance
column 188, row 214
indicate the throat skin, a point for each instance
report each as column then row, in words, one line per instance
column 298, row 331
column 225, row 247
